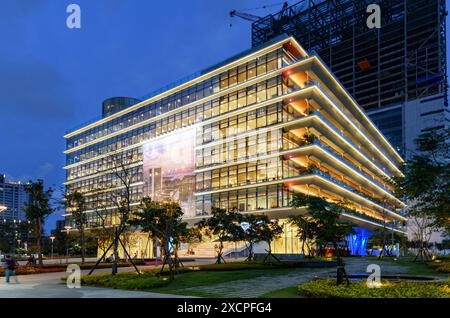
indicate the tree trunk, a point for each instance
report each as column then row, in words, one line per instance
column 38, row 243
column 340, row 273
column 303, row 246
column 250, row 251
column 116, row 252
column 83, row 248
column 219, row 253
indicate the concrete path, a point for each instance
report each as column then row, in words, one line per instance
column 49, row 285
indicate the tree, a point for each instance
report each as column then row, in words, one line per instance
column 76, row 204
column 425, row 185
column 104, row 236
column 268, row 231
column 383, row 234
column 37, row 209
column 325, row 216
column 163, row 221
column 222, row 224
column 118, row 196
column 256, row 228
column 306, row 231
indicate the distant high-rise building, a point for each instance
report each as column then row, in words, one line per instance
column 397, row 73
column 12, row 197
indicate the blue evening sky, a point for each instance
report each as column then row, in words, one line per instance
column 53, row 78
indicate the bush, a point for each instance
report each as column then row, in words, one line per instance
column 28, row 270
column 441, row 264
column 129, row 281
column 326, row 288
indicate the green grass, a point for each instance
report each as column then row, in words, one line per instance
column 326, row 288
column 190, row 277
column 288, row 292
column 208, row 278
column 441, row 264
column 414, row 268
column 129, row 281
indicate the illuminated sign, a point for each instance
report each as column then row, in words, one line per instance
column 169, row 164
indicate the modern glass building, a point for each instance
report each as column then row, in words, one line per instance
column 12, row 200
column 245, row 134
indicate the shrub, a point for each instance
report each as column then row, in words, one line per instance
column 326, row 288
column 130, row 281
column 441, row 264
column 28, row 270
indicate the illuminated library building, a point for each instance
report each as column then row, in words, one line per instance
column 245, row 134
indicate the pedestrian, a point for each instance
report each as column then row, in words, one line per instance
column 10, row 269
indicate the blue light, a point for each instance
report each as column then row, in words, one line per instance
column 357, row 242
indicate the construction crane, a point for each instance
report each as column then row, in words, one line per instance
column 245, row 16
column 254, row 18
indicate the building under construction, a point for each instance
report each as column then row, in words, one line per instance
column 397, row 72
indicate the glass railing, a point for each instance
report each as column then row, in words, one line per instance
column 332, row 127
column 369, row 218
column 353, row 121
column 349, row 163
column 175, row 84
column 325, row 175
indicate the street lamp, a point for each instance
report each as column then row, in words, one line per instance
column 52, row 238
column 67, row 227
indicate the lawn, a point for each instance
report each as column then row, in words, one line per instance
column 288, row 292
column 193, row 276
column 206, row 277
column 441, row 264
column 416, row 268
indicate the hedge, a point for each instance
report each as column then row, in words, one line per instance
column 130, row 281
column 441, row 264
column 54, row 268
column 326, row 288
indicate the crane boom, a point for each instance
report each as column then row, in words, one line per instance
column 245, row 16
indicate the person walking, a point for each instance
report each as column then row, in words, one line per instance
column 10, row 269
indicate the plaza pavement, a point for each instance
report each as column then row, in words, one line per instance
column 49, row 285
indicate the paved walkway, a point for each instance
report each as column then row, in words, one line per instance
column 49, row 285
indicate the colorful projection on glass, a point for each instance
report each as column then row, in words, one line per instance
column 169, row 164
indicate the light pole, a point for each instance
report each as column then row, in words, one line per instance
column 52, row 238
column 67, row 227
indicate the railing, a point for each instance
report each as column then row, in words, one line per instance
column 361, row 131
column 333, row 154
column 176, row 83
column 331, row 126
column 343, row 185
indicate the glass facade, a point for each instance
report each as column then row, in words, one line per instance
column 245, row 136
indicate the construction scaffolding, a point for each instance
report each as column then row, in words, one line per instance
column 403, row 60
